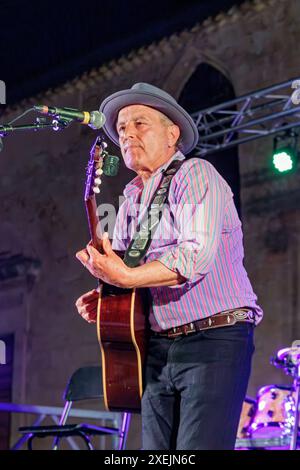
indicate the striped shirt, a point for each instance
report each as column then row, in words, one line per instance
column 199, row 236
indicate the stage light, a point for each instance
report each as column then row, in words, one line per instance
column 283, row 161
column 285, row 151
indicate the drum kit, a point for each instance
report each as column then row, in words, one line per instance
column 271, row 421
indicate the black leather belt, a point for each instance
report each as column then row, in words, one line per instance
column 218, row 320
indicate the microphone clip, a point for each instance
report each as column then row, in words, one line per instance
column 61, row 123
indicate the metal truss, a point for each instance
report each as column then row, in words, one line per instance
column 249, row 117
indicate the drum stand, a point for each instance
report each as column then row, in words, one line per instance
column 289, row 359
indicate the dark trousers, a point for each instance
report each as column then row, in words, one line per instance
column 194, row 388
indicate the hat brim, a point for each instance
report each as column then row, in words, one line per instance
column 111, row 106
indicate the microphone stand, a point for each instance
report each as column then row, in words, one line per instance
column 294, row 438
column 289, row 360
column 40, row 124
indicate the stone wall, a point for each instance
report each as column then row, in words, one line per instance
column 42, row 181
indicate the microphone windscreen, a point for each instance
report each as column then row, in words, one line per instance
column 97, row 120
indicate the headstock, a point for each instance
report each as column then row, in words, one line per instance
column 94, row 168
column 99, row 162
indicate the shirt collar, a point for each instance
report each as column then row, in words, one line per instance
column 136, row 184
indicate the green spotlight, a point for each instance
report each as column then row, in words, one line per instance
column 285, row 151
column 283, row 161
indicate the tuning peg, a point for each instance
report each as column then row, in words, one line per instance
column 97, row 181
column 96, row 189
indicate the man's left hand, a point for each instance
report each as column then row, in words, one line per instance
column 108, row 266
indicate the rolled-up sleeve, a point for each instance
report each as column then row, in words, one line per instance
column 198, row 205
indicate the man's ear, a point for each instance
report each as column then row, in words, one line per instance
column 173, row 134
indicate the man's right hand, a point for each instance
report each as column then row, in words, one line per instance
column 87, row 305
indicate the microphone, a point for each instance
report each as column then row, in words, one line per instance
column 94, row 119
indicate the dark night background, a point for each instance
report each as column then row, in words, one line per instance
column 46, row 43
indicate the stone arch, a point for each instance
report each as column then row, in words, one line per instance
column 187, row 64
column 208, row 86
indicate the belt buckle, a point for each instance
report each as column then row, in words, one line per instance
column 243, row 315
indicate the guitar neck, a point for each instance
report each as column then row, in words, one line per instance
column 94, row 223
column 93, row 181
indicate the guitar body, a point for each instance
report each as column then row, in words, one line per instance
column 121, row 328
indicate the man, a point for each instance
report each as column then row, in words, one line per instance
column 203, row 308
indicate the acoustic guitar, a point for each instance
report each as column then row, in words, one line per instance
column 121, row 313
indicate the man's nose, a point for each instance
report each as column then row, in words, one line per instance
column 129, row 131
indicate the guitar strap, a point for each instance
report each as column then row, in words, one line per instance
column 145, row 230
